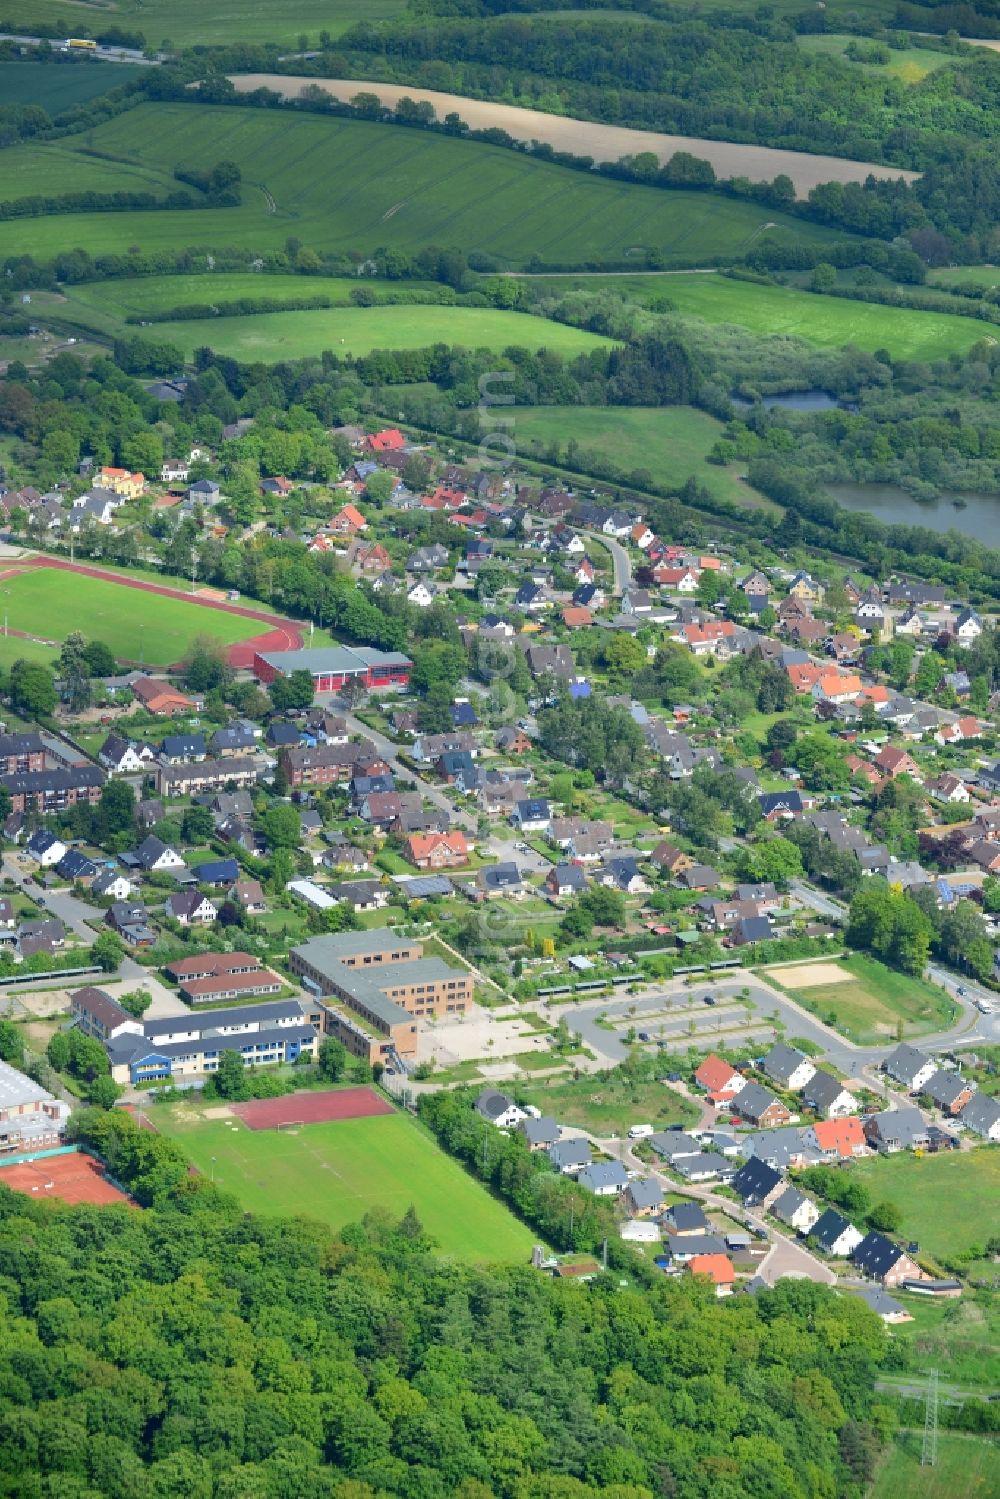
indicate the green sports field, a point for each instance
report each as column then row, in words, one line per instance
column 337, row 1172
column 671, row 442
column 271, row 336
column 50, row 604
column 350, row 185
column 828, row 321
column 949, row 1201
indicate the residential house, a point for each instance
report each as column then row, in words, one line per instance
column 249, row 895
column 828, row 1097
column 835, row 1234
column 795, row 1210
column 155, row 855
column 685, row 1218
column 805, row 590
column 565, row 879
column 191, row 908
column 670, row 859
column 643, row 1197
column 949, row 1090
column 718, row 1268
column 757, row 1183
column 909, row 1066
column 437, row 850
column 499, row 879
column 760, row 1107
column 896, row 1129
column 604, row 1178
column 498, row 1109
column 112, row 884
column 895, row 762
column 532, row 815
column 539, row 1134
column 839, row 1139
column 121, row 756
column 789, row 1068
column 880, row 1259
column 982, row 1115
column 46, row 848
column 720, row 1079
column 622, row 873
column 570, row 1156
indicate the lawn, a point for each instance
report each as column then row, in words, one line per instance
column 339, row 1171
column 272, row 336
column 608, row 1104
column 961, row 1339
column 967, row 1467
column 185, row 23
column 670, row 442
column 949, row 1201
column 57, row 87
column 869, row 1008
column 49, row 604
column 830, row 322
column 345, row 185
column 909, row 64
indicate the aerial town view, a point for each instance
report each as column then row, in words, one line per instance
column 500, row 749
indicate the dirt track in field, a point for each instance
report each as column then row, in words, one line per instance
column 586, row 138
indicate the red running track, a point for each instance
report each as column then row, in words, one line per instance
column 281, row 635
column 312, row 1108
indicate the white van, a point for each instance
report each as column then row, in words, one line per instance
column 641, row 1131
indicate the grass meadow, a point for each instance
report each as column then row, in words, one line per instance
column 967, row 1467
column 49, row 604
column 271, row 336
column 671, row 442
column 609, row 1105
column 869, row 1007
column 185, row 23
column 909, row 64
column 337, row 1172
column 945, row 1199
column 961, row 1339
column 352, row 185
column 830, row 322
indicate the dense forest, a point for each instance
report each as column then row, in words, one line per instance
column 192, row 1349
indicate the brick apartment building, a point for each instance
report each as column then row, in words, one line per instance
column 382, row 984
column 53, row 790
column 212, row 977
column 20, row 752
column 207, row 775
column 326, row 764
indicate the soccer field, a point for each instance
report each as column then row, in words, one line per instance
column 49, row 603
column 337, row 1172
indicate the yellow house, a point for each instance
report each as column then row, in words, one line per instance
column 805, row 588
column 121, row 481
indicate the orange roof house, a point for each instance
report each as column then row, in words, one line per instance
column 160, row 697
column 719, row 1078
column 348, row 521
column 389, row 440
column 575, row 617
column 804, row 675
column 845, row 1136
column 718, row 1268
column 438, row 850
column 837, row 687
column 121, row 481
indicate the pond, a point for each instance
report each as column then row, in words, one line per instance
column 975, row 515
column 795, row 400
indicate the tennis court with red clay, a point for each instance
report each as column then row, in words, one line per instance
column 70, row 1178
column 312, row 1108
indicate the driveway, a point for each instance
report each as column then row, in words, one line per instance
column 621, row 562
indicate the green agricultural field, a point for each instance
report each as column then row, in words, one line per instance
column 986, row 276
column 49, row 604
column 186, row 23
column 827, row 321
column 57, row 87
column 270, row 336
column 606, row 1104
column 352, row 185
column 870, row 1006
column 339, row 1171
column 967, row 1467
column 909, row 64
column 141, row 295
column 671, row 442
column 948, row 1201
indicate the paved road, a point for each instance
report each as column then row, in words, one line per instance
column 390, row 754
column 849, row 1059
column 620, row 559
column 823, row 905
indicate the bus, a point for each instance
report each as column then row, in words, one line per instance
column 81, row 42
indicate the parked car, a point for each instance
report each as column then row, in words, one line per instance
column 708, row 999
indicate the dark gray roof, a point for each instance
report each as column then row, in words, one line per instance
column 781, row 1061
column 904, row 1063
column 686, row 1217
column 600, row 1174
column 755, row 1180
column 570, row 1153
column 876, row 1255
column 981, row 1114
column 828, row 1228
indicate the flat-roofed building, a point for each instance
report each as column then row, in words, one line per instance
column 332, row 667
column 30, row 1118
column 191, row 1045
column 382, row 981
